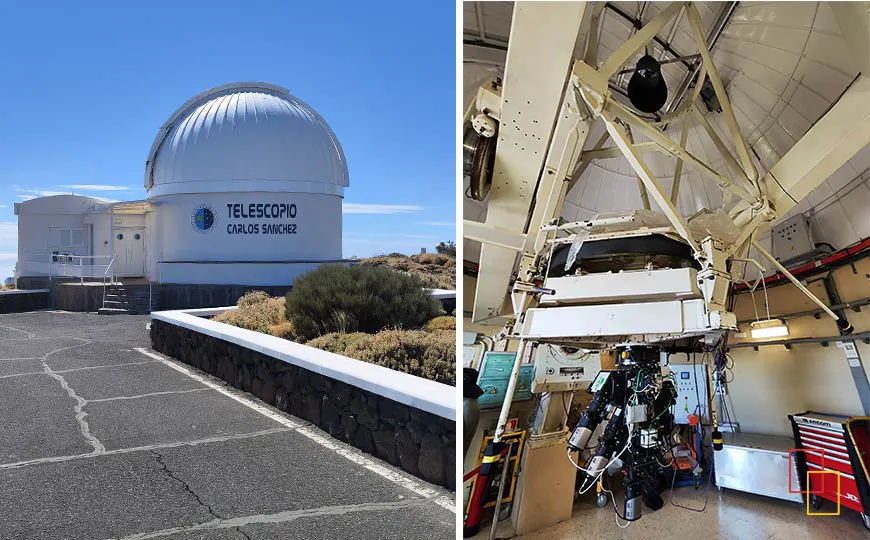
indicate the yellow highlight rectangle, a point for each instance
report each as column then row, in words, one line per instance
column 837, row 513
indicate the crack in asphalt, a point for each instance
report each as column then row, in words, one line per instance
column 81, row 415
column 184, row 484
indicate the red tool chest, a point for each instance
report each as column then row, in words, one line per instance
column 828, row 446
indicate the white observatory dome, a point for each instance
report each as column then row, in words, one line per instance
column 245, row 137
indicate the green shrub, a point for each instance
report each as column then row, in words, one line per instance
column 428, row 355
column 336, row 298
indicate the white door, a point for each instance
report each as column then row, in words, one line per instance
column 129, row 252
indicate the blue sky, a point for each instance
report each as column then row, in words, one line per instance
column 86, row 85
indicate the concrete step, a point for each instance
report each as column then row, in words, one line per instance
column 112, row 311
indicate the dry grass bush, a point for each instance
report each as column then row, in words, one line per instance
column 440, row 324
column 282, row 329
column 433, row 259
column 252, row 298
column 259, row 312
column 431, row 355
column 347, row 299
column 437, row 271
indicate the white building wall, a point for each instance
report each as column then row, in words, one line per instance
column 230, row 250
column 39, row 224
column 102, row 230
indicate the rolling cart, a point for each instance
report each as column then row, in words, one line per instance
column 832, row 456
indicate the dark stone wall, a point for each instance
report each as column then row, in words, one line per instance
column 184, row 296
column 416, row 441
column 69, row 295
column 36, row 282
column 21, row 302
column 76, row 297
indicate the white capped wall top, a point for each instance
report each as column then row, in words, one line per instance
column 245, row 137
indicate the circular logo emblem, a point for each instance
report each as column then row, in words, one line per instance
column 203, row 218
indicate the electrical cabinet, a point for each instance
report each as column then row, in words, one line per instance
column 692, row 395
column 793, row 240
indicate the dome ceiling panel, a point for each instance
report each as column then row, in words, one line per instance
column 824, row 80
column 793, row 122
column 830, row 49
column 855, row 208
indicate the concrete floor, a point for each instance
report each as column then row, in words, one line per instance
column 730, row 515
column 100, row 440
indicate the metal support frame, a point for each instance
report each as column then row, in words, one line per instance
column 621, row 138
column 728, row 112
column 793, row 279
column 561, row 170
column 574, row 177
column 644, row 196
column 730, row 160
column 678, row 169
column 639, row 40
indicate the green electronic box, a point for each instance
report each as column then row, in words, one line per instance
column 495, row 371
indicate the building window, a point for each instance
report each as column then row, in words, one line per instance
column 71, row 238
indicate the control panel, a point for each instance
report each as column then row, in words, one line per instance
column 691, row 382
column 560, row 369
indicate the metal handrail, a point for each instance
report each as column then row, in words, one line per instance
column 76, row 261
column 105, row 274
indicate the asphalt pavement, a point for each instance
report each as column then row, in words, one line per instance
column 101, row 437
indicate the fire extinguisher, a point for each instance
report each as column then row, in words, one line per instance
column 491, row 457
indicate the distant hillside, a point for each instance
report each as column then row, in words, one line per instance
column 436, row 271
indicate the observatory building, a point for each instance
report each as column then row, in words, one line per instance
column 244, row 188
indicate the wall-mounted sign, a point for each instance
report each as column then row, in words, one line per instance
column 261, row 211
column 203, row 218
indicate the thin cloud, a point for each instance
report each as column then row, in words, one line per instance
column 28, row 194
column 33, row 193
column 438, row 223
column 365, row 208
column 8, row 233
column 97, row 187
column 388, row 235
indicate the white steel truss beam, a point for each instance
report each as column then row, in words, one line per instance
column 639, row 40
column 619, row 136
column 678, row 169
column 739, row 143
column 668, row 146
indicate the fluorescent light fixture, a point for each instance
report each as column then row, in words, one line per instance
column 769, row 328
